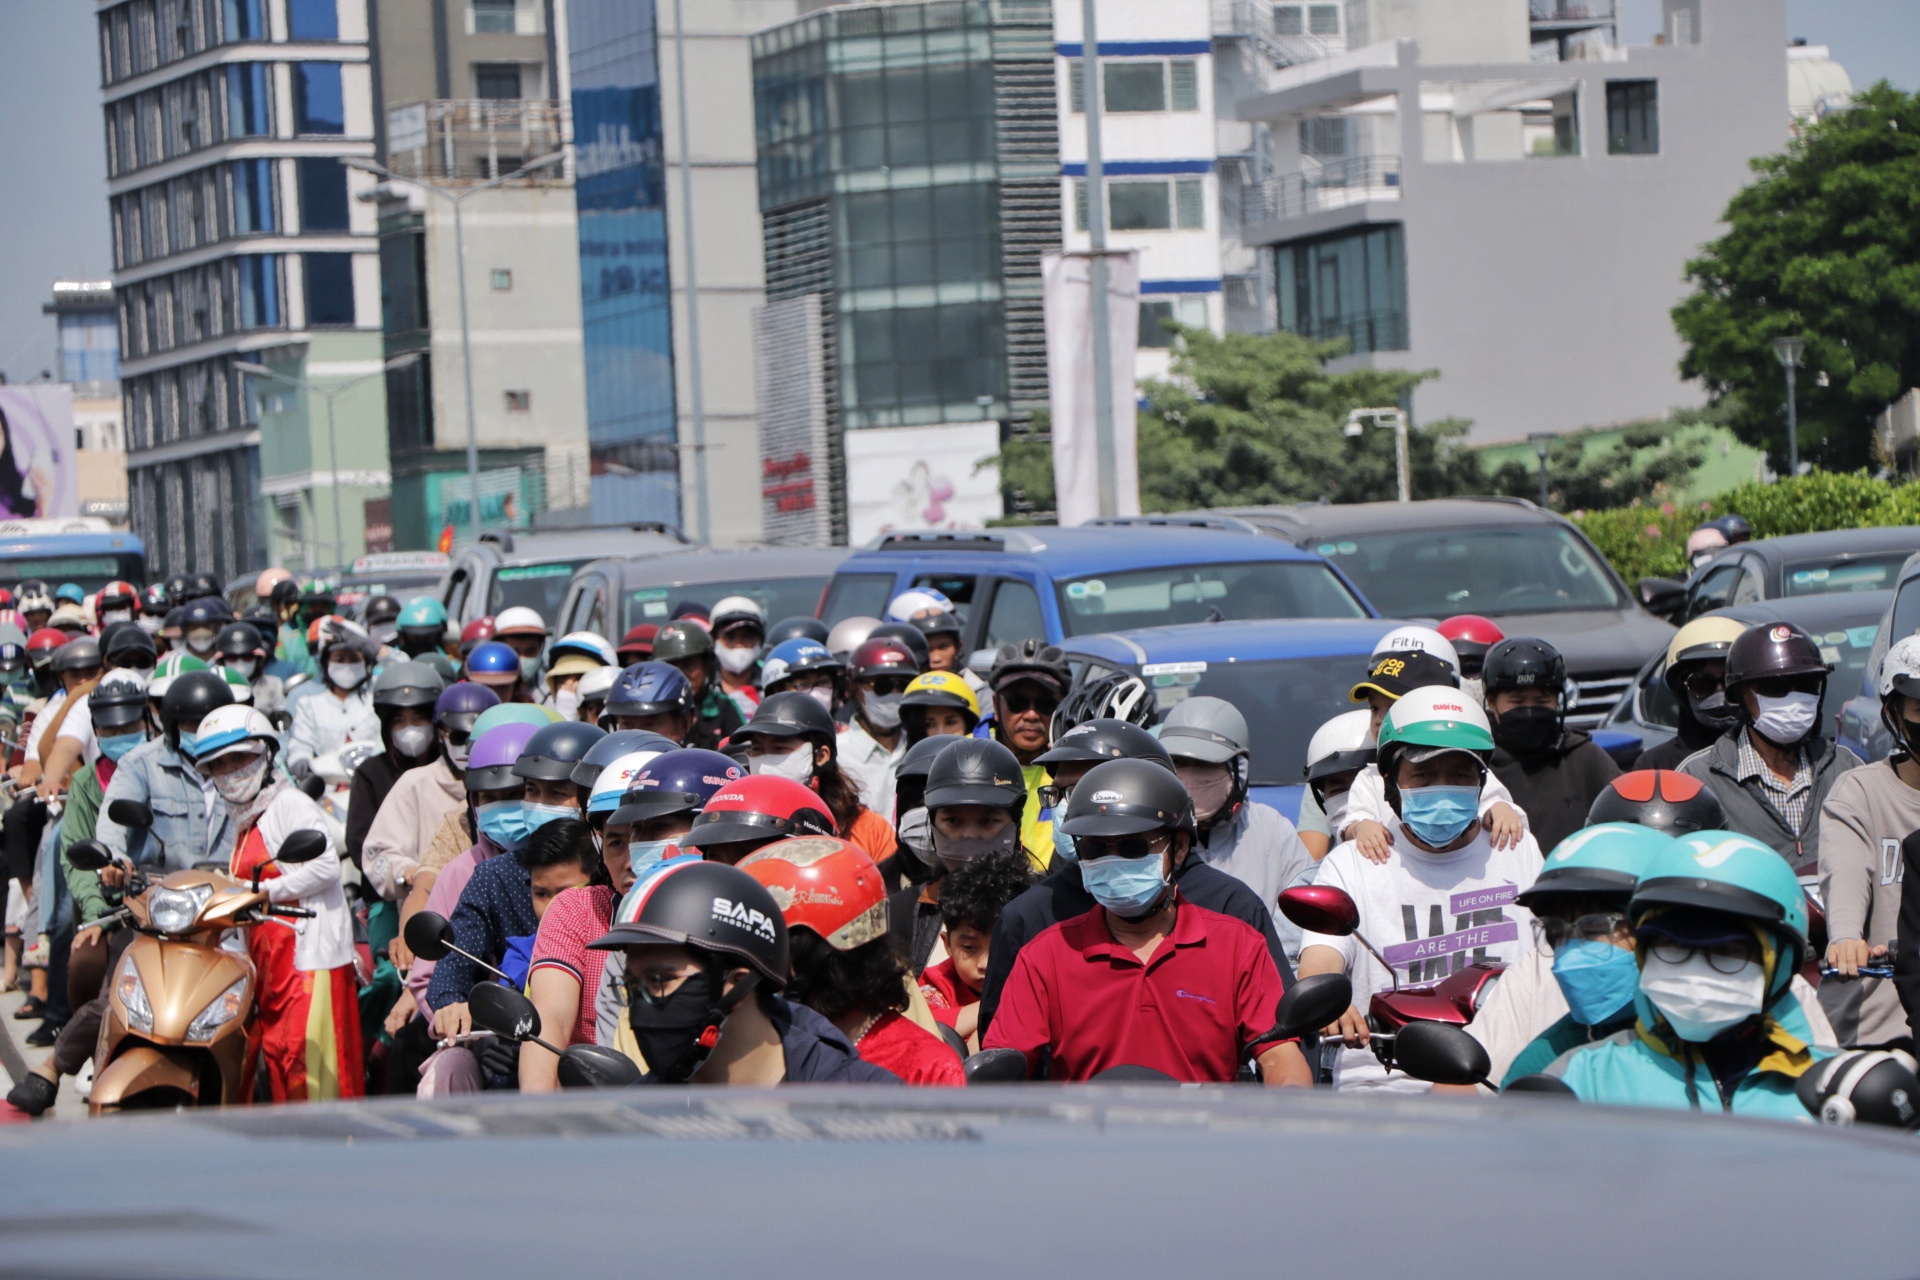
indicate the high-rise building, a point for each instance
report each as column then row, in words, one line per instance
column 236, row 239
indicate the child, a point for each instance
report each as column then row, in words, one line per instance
column 970, row 905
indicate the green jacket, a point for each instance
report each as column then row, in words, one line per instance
column 90, row 897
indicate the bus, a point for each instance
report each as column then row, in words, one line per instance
column 79, row 549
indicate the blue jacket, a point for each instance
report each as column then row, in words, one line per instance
column 819, row 1052
column 160, row 777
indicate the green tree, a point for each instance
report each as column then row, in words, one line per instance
column 1825, row 245
column 1648, row 461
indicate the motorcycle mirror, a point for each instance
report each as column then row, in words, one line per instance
column 996, row 1066
column 1311, row 1003
column 1321, row 908
column 1542, row 1085
column 593, row 1066
column 503, row 1011
column 130, row 813
column 89, row 855
column 302, row 846
column 1440, row 1054
column 429, row 935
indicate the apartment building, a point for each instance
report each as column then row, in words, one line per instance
column 87, row 360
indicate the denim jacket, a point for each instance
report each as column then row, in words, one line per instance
column 158, row 776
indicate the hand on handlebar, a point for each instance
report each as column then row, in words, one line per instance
column 114, row 877
column 1351, row 1030
column 453, row 1021
column 1848, row 955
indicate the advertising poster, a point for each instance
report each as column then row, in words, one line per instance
column 1065, row 281
column 38, row 472
column 921, row 478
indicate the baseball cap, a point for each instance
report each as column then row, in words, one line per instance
column 1400, row 673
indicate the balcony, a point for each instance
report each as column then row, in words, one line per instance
column 1335, row 184
column 476, row 138
column 1252, row 21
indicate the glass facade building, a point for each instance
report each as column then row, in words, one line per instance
column 1352, row 285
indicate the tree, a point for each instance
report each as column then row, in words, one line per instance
column 1824, row 245
column 1648, row 462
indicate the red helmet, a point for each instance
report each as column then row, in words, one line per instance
column 6, row 598
column 826, row 885
column 474, row 632
column 881, row 657
column 637, row 644
column 761, row 808
column 44, row 641
column 117, row 595
column 1471, row 636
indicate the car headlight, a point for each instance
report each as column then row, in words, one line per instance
column 133, row 995
column 175, row 910
column 226, row 1006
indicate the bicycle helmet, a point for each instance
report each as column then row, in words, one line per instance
column 1101, row 740
column 824, row 885
column 1118, row 695
column 496, row 749
column 554, row 750
column 798, row 628
column 618, row 745
column 1031, row 660
column 1126, row 798
column 763, row 808
column 681, row 780
column 1675, row 803
column 649, row 689
column 494, row 664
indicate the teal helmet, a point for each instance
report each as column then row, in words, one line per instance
column 1735, row 875
column 1605, row 859
column 423, row 613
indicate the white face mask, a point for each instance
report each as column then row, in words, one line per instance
column 346, row 675
column 245, row 666
column 413, row 741
column 1785, row 721
column 567, row 703
column 1337, row 807
column 823, row 695
column 1698, row 1000
column 797, row 765
column 1475, row 689
column 112, row 616
column 200, row 642
column 243, row 784
column 148, row 624
column 734, row 661
column 881, row 710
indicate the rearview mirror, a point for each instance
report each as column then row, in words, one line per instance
column 1311, row 1003
column 89, row 855
column 1440, row 1054
column 1541, row 1085
column 502, row 1010
column 130, row 813
column 996, row 1066
column 302, row 846
column 593, row 1066
column 429, row 935
column 1321, row 908
column 1662, row 597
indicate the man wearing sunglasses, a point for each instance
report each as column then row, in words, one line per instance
column 1028, row 680
column 1773, row 772
column 1697, row 675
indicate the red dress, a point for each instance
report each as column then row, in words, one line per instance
column 910, row 1051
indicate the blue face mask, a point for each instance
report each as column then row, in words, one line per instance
column 504, row 823
column 530, row 669
column 1063, row 846
column 189, row 744
column 539, row 815
column 1597, row 978
column 1125, row 886
column 119, row 744
column 642, row 854
column 1437, row 815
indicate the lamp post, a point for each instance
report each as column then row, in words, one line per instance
column 693, row 296
column 458, row 197
column 1789, row 352
column 1389, row 417
column 1542, row 445
column 333, row 450
column 1108, row 467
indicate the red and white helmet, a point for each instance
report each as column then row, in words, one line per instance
column 765, row 808
column 825, row 885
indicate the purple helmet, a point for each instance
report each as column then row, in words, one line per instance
column 461, row 703
column 679, row 781
column 490, row 767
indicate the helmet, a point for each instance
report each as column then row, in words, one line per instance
column 1605, row 859
column 595, row 685
column 407, row 684
column 1031, row 660
column 42, row 643
column 1399, row 672
column 117, row 595
column 1099, row 740
column 35, row 598
column 791, row 715
column 825, row 885
column 170, row 667
column 69, row 617
column 317, row 593
column 761, row 807
column 1525, row 663
column 1118, row 695
column 1339, row 745
column 1426, row 723
column 154, row 599
column 77, row 655
column 910, row 775
column 1127, row 798
column 977, row 771
column 1733, row 874
column 555, row 749
column 423, row 614
column 1770, row 649
column 614, row 780
column 269, row 579
column 190, row 696
column 70, row 593
column 1701, row 640
column 882, row 656
column 918, row 600
column 1471, row 636
column 939, row 622
column 678, row 781
column 473, row 633
column 200, row 585
column 618, row 745
column 1702, row 543
column 1900, row 669
column 227, row 729
column 1209, row 729
column 577, row 653
column 904, row 634
column 519, row 620
column 680, row 640
column 1733, row 527
column 379, row 612
column 1676, row 803
column 495, row 750
column 513, row 713
column 238, row 640
column 649, row 689
column 849, row 634
column 791, row 657
column 734, row 610
column 797, row 628
column 637, row 644
column 940, row 689
column 119, row 701
column 679, row 903
column 286, row 592
column 461, row 703
column 493, row 663
column 1425, row 639
column 242, row 691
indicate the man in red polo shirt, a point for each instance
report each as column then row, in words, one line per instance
column 1145, row 979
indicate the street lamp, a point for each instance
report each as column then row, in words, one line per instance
column 333, row 450
column 1542, row 445
column 1397, row 419
column 1788, row 351
column 458, row 196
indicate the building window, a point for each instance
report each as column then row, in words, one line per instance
column 318, row 104
column 313, row 20
column 499, row 81
column 1323, row 19
column 502, row 279
column 247, row 99
column 1352, row 285
column 1147, row 206
column 1183, row 82
column 1633, row 117
column 1137, row 85
column 519, row 401
column 1157, row 313
column 258, row 296
column 323, row 194
column 491, row 17
column 244, row 20
column 329, row 288
column 252, row 197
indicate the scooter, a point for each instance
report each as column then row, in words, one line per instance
column 181, row 1026
column 334, row 770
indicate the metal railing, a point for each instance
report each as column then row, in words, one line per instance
column 1252, row 20
column 1334, row 184
column 476, row 138
column 1571, row 10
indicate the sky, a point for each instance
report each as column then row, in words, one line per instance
column 55, row 223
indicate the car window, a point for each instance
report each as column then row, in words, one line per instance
column 1202, row 593
column 1656, row 704
column 1906, row 612
column 1750, row 589
column 1433, row 573
column 596, row 603
column 1015, row 616
column 1848, row 650
column 957, row 587
column 1856, row 573
column 856, row 595
column 1715, row 591
column 1284, row 701
column 539, row 587
column 780, row 597
column 457, row 595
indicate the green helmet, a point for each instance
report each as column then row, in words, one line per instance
column 1427, row 722
column 237, row 685
column 423, row 613
column 679, row 640
column 512, row 713
column 1733, row 874
column 173, row 665
column 1604, row 859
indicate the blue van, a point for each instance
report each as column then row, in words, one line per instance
column 1044, row 582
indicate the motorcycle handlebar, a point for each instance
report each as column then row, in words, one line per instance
column 300, row 913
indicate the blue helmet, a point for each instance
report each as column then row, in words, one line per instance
column 620, row 742
column 422, row 613
column 461, row 703
column 491, row 658
column 205, row 611
column 70, row 592
column 679, row 781
column 1735, row 875
column 649, row 689
column 555, row 749
column 1606, row 859
column 790, row 657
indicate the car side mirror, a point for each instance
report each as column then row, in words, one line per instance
column 503, row 1011
column 429, row 935
column 89, row 855
column 594, row 1066
column 130, row 813
column 980, row 662
column 1440, row 1054
column 302, row 846
column 996, row 1066
column 1321, row 908
column 1662, row 597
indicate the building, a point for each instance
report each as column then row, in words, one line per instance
column 909, row 183
column 466, row 93
column 88, row 361
column 236, row 240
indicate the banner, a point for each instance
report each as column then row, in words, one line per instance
column 38, row 471
column 790, row 376
column 921, row 478
column 1069, row 310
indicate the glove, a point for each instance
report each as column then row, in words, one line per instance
column 341, row 632
column 499, row 1062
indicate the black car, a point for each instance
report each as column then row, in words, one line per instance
column 1802, row 564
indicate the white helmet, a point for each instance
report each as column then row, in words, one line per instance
column 234, row 727
column 615, row 779
column 1425, row 639
column 588, row 644
column 1900, row 669
column 1436, row 719
column 849, row 634
column 732, row 610
column 1340, row 744
column 597, row 683
column 909, row 604
column 519, row 621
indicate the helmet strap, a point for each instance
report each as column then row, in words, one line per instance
column 1899, row 727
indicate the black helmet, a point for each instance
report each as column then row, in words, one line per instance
column 379, row 611
column 1523, row 662
column 555, row 749
column 205, row 611
column 285, row 592
column 678, row 640
column 1735, row 528
column 77, row 655
column 178, row 589
column 239, row 640
column 190, row 697
column 260, row 618
column 940, row 622
column 797, row 628
column 124, row 640
column 977, row 771
column 907, row 634
column 1128, row 798
column 681, row 905
column 205, row 586
column 117, row 702
column 1031, row 660
column 910, row 775
column 406, row 684
column 1100, row 740
column 1676, row 803
column 791, row 715
column 1770, row 649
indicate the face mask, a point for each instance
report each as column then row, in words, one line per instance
column 957, row 851
column 245, row 666
column 1527, row 730
column 670, row 1032
column 346, row 675
column 530, row 669
column 823, row 695
column 176, row 644
column 413, row 741
column 539, row 815
column 119, row 744
column 1787, row 720
column 567, row 703
column 1698, row 1000
column 881, row 710
column 148, row 624
column 642, row 854
column 1337, row 807
column 734, row 661
column 916, row 833
column 1128, row 887
column 457, row 756
column 1597, row 978
column 1063, row 846
column 797, row 765
column 112, row 616
column 243, row 784
column 1437, row 815
column 1476, row 689
column 503, row 823
column 1713, row 711
column 1209, row 786
column 200, row 642
column 189, row 744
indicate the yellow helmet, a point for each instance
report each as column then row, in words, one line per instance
column 943, row 689
column 1702, row 640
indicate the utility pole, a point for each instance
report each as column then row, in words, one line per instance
column 1356, row 427
column 1542, row 445
column 1789, row 351
column 1097, row 266
column 693, row 295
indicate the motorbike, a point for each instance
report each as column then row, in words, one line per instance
column 181, row 1026
column 333, row 771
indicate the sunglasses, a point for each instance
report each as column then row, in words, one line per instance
column 1704, row 684
column 1053, row 795
column 1556, row 931
column 1781, row 686
column 1091, row 847
column 885, row 685
column 136, row 661
column 1018, row 703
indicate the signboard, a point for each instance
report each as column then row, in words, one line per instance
column 503, row 501
column 921, row 478
column 407, row 128
column 38, row 472
column 789, row 366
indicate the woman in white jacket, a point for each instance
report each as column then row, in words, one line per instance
column 308, row 989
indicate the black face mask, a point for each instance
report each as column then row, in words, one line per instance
column 676, row 1032
column 1526, row 730
column 1714, row 712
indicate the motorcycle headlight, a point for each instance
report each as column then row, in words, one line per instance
column 226, row 1006
column 175, row 910
column 133, row 995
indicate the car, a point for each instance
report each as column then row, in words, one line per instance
column 502, row 569
column 1531, row 571
column 1860, row 727
column 1801, row 564
column 1845, row 625
column 400, row 574
column 1044, row 582
column 613, row 595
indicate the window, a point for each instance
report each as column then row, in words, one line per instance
column 1350, row 285
column 244, row 20
column 247, row 99
column 1288, row 20
column 1183, row 75
column 313, row 20
column 519, row 401
column 1203, row 593
column 1189, row 205
column 253, row 209
column 498, row 81
column 1852, row 573
column 1157, row 313
column 502, row 280
column 960, row 588
column 1015, row 616
column 778, row 597
column 323, row 194
column 318, row 104
column 1323, row 19
column 493, row 17
column 1135, row 86
column 258, row 295
column 865, row 595
column 1147, row 206
column 1633, row 117
column 329, row 288
column 1435, row 573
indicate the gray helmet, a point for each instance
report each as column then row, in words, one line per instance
column 407, row 684
column 679, row 640
column 118, row 702
column 1209, row 729
column 1127, row 798
column 77, row 655
column 976, row 771
column 1099, row 740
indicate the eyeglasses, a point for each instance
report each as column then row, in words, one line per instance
column 1053, row 795
column 885, row 685
column 1704, row 684
column 1781, row 686
column 136, row 661
column 1555, row 932
column 1724, row 957
column 1122, row 846
column 1019, row 703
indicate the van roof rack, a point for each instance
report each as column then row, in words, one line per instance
column 997, row 540
column 1203, row 520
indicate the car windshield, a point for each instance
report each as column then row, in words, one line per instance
column 1284, row 701
column 539, row 587
column 1854, row 573
column 780, row 597
column 1433, row 573
column 1203, row 593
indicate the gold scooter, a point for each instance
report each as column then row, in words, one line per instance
column 181, row 1027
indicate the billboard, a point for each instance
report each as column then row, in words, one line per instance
column 790, row 377
column 921, row 478
column 1066, row 280
column 38, row 471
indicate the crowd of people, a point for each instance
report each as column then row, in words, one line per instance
column 738, row 850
